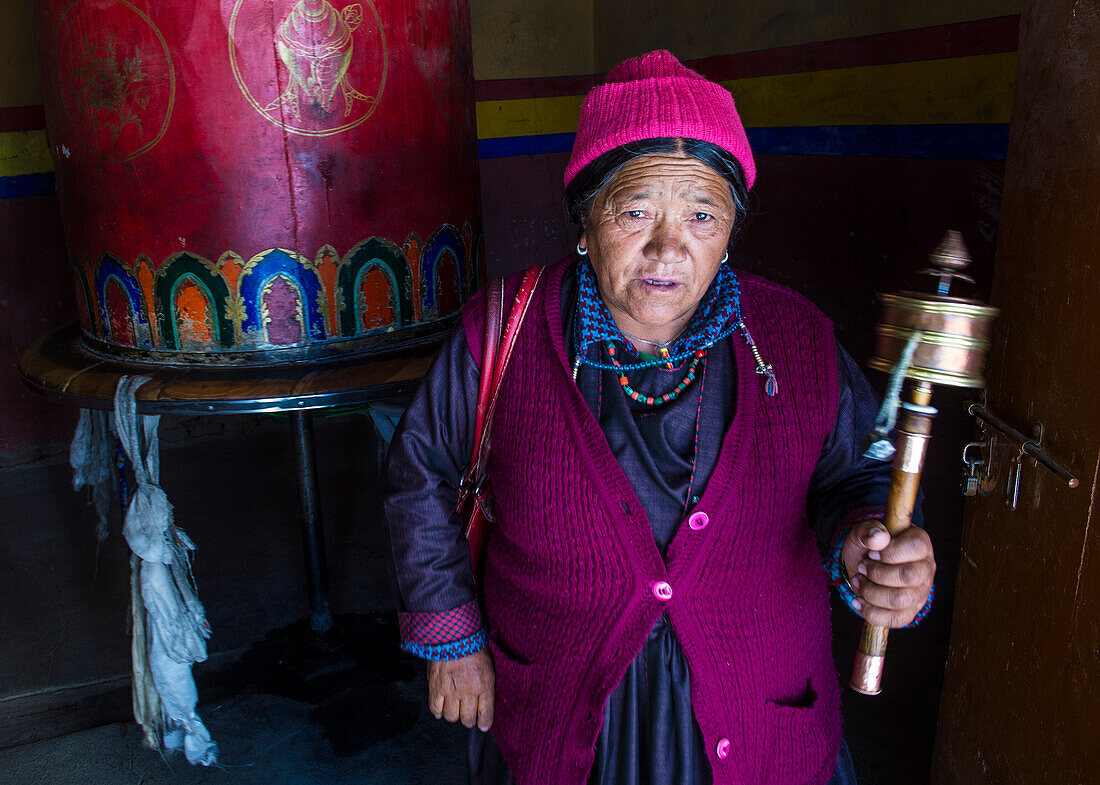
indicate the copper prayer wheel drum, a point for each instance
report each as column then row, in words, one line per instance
column 954, row 331
column 247, row 182
column 954, row 337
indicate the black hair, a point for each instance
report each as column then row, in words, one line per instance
column 593, row 178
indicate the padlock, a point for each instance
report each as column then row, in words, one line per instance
column 1012, row 487
column 974, row 459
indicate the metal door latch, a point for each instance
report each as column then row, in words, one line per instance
column 978, row 457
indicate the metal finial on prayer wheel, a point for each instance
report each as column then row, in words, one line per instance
column 954, row 331
column 922, row 339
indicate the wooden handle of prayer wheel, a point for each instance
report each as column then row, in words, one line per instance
column 913, row 431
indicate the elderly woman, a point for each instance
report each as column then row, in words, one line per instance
column 670, row 439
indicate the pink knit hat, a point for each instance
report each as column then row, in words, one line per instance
column 655, row 95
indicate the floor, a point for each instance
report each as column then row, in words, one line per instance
column 284, row 714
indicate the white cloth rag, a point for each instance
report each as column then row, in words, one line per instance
column 173, row 620
column 92, row 457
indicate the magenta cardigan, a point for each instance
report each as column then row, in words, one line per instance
column 574, row 581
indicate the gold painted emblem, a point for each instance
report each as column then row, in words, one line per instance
column 117, row 81
column 323, row 52
column 110, row 86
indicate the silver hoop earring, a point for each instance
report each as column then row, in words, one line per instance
column 725, row 258
column 584, row 251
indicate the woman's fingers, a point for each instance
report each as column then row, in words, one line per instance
column 452, row 708
column 900, row 576
column 884, row 617
column 891, row 578
column 468, row 710
column 911, row 545
column 436, row 691
column 486, row 702
column 865, row 537
column 890, row 575
column 887, row 597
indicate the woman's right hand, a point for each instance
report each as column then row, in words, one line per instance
column 463, row 690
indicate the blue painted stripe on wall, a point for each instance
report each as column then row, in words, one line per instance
column 507, row 146
column 985, row 142
column 39, row 184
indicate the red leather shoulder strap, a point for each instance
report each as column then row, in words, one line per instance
column 502, row 345
column 511, row 330
column 494, row 316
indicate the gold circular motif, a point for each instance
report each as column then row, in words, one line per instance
column 105, row 67
column 285, row 110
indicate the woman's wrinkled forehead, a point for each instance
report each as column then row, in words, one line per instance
column 666, row 176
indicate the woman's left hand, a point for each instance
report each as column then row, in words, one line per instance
column 891, row 575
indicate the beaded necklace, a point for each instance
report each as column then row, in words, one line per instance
column 662, row 349
column 668, row 396
column 720, row 306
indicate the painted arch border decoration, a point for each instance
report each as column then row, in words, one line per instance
column 234, row 288
column 357, row 263
column 181, row 267
column 445, row 239
column 111, row 268
column 265, row 267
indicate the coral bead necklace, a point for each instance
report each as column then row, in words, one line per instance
column 672, row 395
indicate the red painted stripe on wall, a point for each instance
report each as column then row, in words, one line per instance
column 22, row 118
column 963, row 39
column 540, row 87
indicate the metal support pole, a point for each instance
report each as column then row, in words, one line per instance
column 313, row 533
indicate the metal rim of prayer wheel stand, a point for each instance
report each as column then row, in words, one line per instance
column 57, row 367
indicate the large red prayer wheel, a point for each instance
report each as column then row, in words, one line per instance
column 255, row 181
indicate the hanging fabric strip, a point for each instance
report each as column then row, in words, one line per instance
column 143, row 692
column 879, row 446
column 92, row 459
column 171, row 618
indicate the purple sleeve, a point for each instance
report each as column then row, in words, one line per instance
column 438, row 612
column 847, row 487
column 844, row 481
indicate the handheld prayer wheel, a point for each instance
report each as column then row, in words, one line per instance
column 923, row 340
column 251, row 182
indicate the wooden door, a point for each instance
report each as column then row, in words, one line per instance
column 1021, row 699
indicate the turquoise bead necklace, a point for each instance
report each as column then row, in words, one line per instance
column 668, row 397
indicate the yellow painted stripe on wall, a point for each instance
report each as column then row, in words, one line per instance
column 528, row 116
column 952, row 90
column 24, row 152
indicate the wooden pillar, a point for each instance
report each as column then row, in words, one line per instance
column 1021, row 699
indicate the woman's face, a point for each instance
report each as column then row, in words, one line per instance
column 656, row 237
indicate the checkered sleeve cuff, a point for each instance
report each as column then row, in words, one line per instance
column 838, row 572
column 443, row 635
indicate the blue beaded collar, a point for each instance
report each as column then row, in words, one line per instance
column 593, row 323
column 718, row 316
